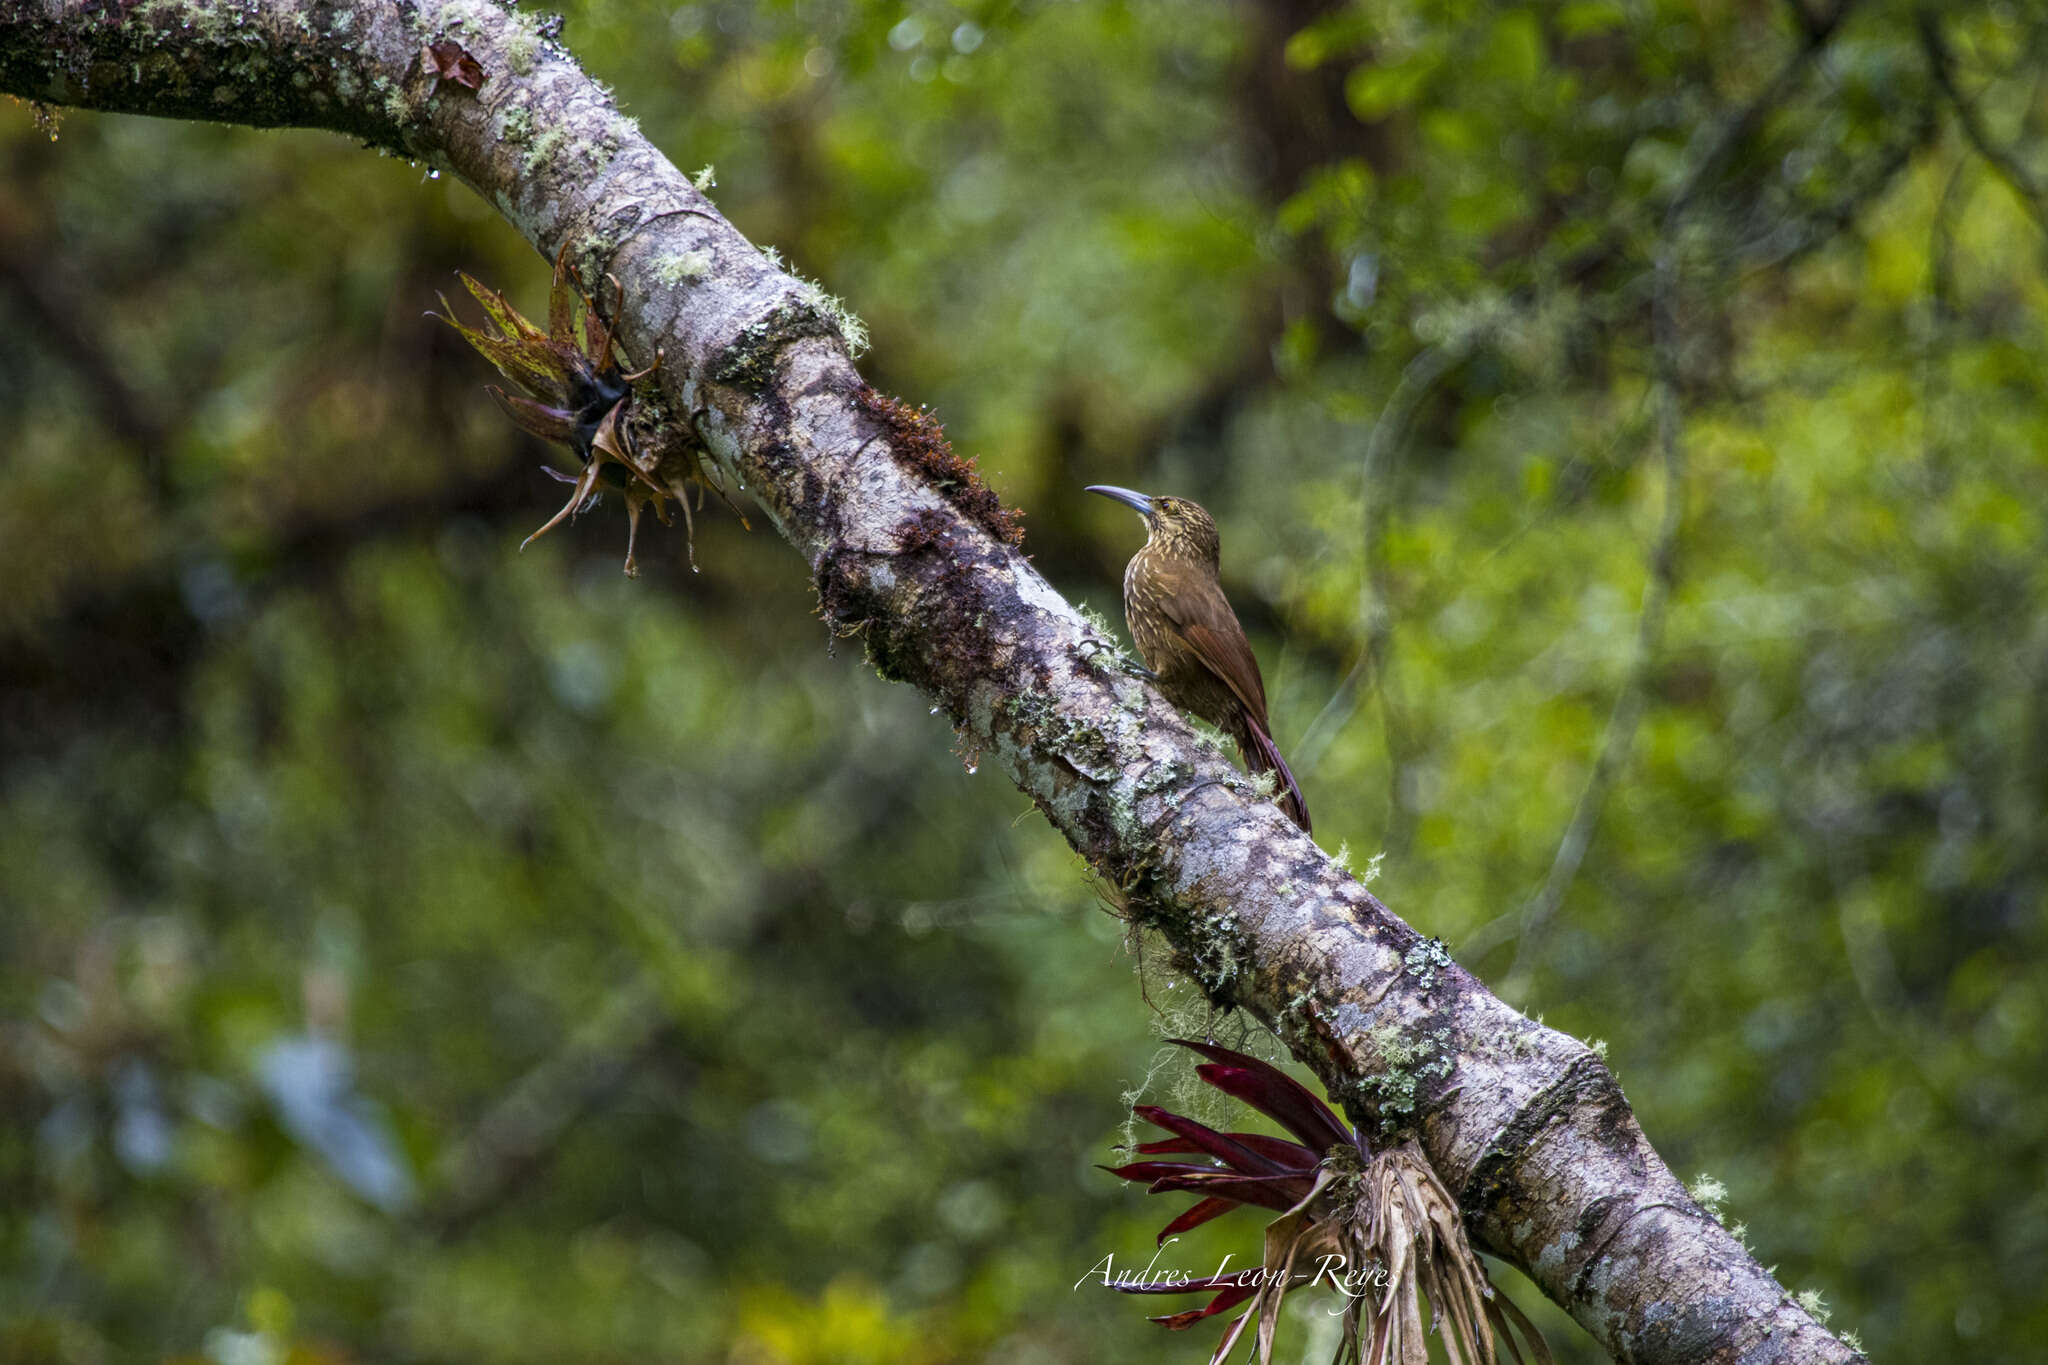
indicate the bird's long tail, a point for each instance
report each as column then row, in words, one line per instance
column 1262, row 755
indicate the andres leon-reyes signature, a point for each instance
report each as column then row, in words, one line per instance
column 1332, row 1269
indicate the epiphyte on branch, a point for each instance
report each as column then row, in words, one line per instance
column 1377, row 1225
column 580, row 395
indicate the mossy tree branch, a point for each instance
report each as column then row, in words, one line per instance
column 1527, row 1124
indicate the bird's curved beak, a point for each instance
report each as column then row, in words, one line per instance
column 1137, row 502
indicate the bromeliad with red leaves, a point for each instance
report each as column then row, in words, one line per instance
column 579, row 394
column 1377, row 1224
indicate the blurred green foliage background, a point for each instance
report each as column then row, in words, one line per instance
column 414, row 950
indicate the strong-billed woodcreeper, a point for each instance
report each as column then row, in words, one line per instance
column 1189, row 637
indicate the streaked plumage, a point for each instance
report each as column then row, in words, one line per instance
column 1190, row 638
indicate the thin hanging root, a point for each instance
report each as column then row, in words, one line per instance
column 636, row 500
column 639, row 375
column 585, row 486
column 745, row 525
column 633, row 505
column 690, row 528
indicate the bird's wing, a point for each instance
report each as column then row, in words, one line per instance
column 1210, row 626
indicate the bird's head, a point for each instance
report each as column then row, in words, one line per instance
column 1178, row 524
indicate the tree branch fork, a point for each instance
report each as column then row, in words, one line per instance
column 1527, row 1124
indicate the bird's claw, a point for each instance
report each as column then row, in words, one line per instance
column 1092, row 651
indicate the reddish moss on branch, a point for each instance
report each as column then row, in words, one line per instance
column 920, row 442
column 921, row 530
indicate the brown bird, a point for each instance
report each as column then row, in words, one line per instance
column 1189, row 637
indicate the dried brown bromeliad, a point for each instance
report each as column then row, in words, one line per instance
column 1378, row 1225
column 580, row 395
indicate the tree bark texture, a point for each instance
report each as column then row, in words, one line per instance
column 1526, row 1125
